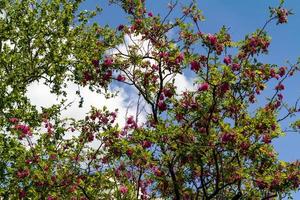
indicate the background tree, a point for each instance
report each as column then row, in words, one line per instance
column 199, row 144
column 47, row 41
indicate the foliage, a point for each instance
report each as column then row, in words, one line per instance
column 198, row 144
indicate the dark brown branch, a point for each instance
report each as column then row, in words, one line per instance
column 84, row 192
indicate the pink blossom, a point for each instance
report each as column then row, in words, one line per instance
column 252, row 98
column 280, row 86
column 51, row 198
column 227, row 60
column 179, row 58
column 179, row 117
column 24, row 129
column 121, row 78
column 107, row 75
column 244, row 146
column 113, row 116
column 202, row 130
column 161, row 97
column 282, row 15
column 224, row 87
column 280, row 96
column 130, row 120
column 203, row 87
column 281, row 71
column 253, row 42
column 146, row 144
column 53, row 157
column 130, row 123
column 195, row 66
column 155, row 67
column 162, row 106
column 95, row 62
column 22, row 194
column 108, row 61
column 87, row 76
column 129, row 152
column 277, row 104
column 23, row 173
column 212, row 39
column 163, row 54
column 272, row 73
column 235, row 66
column 227, row 137
column 266, row 139
column 168, row 92
column 14, row 120
column 123, row 189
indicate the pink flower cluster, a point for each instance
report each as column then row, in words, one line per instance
column 282, row 15
column 24, row 129
column 130, row 123
column 23, row 173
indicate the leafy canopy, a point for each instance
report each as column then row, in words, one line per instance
column 201, row 143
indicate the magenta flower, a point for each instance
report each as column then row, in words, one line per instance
column 108, row 61
column 280, row 86
column 168, row 92
column 235, row 66
column 281, row 71
column 123, row 189
column 87, row 76
column 180, row 58
column 130, row 123
column 228, row 137
column 163, row 54
column 130, row 120
column 24, row 129
column 121, row 78
column 23, row 173
column 150, row 14
column 22, row 194
column 203, row 87
column 227, row 60
column 280, row 96
column 146, row 144
column 266, row 139
column 107, row 75
column 14, row 120
column 95, row 62
column 224, row 87
column 129, row 152
column 51, row 198
column 282, row 15
column 195, row 66
column 212, row 39
column 162, row 106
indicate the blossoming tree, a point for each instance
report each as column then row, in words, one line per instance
column 197, row 144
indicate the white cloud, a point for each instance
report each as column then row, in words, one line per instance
column 125, row 102
column 40, row 95
column 143, row 46
column 183, row 83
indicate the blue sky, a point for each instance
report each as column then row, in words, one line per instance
column 243, row 17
